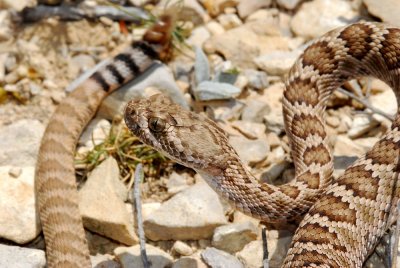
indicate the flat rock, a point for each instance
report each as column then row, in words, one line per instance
column 18, row 221
column 102, row 204
column 216, row 258
column 17, row 257
column 387, row 10
column 320, row 16
column 191, row 214
column 233, row 237
column 250, row 151
column 277, row 62
column 158, row 76
column 19, row 143
column 130, row 257
column 208, row 90
column 247, row 7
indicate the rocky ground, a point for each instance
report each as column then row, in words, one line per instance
column 248, row 48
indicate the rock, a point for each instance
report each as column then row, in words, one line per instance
column 278, row 245
column 17, row 257
column 149, row 208
column 182, row 248
column 102, row 204
column 347, row 147
column 229, row 21
column 271, row 22
column 250, row 45
column 81, row 63
column 274, row 171
column 176, row 183
column 19, row 143
column 191, row 214
column 189, row 10
column 240, row 217
column 387, row 10
column 6, row 30
column 189, row 262
column 233, row 237
column 288, row 4
column 277, row 62
column 95, row 133
column 362, row 123
column 248, row 7
column 385, row 101
column 274, row 119
column 255, row 110
column 250, row 151
column 156, row 76
column 256, row 79
column 216, row 7
column 215, row 28
column 198, row 36
column 216, row 258
column 208, row 90
column 104, row 261
column 131, row 257
column 18, row 221
column 320, row 16
column 17, row 5
column 249, row 129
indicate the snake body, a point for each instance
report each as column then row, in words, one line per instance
column 55, row 186
column 348, row 216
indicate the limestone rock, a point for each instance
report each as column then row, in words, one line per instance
column 17, row 5
column 182, row 248
column 289, row 4
column 362, row 123
column 102, row 204
column 95, row 133
column 250, row 151
column 256, row 79
column 104, row 261
column 387, row 10
column 176, row 183
column 249, row 129
column 131, row 258
column 158, row 76
column 19, row 143
column 277, row 62
column 189, row 10
column 385, row 101
column 320, row 16
column 198, row 36
column 255, row 110
column 189, row 262
column 17, row 257
column 229, row 21
column 216, row 258
column 18, row 221
column 191, row 214
column 233, row 237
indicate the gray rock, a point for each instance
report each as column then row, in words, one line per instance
column 208, row 90
column 277, row 62
column 320, row 16
column 17, row 257
column 189, row 262
column 255, row 110
column 216, row 258
column 158, row 76
column 102, row 204
column 387, row 10
column 233, row 237
column 18, row 221
column 250, row 151
column 104, row 261
column 191, row 214
column 19, row 143
column 247, row 7
column 176, row 183
column 131, row 257
column 256, row 79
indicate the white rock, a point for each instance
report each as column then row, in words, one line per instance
column 216, row 258
column 320, row 16
column 249, row 129
column 361, row 124
column 198, row 36
column 215, row 28
column 247, row 7
column 256, row 79
column 18, row 220
column 387, row 10
column 149, row 208
column 255, row 110
column 17, row 257
column 95, row 133
column 6, row 31
column 158, row 76
column 229, row 21
column 189, row 10
column 277, row 62
column 19, row 143
column 289, row 4
column 131, row 257
column 102, row 204
column 385, row 101
column 182, row 248
column 176, row 183
column 233, row 237
column 191, row 214
column 250, row 151
column 17, row 5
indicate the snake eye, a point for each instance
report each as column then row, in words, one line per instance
column 156, row 124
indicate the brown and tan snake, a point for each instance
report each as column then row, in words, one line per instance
column 349, row 215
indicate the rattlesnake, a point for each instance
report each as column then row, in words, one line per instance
column 349, row 215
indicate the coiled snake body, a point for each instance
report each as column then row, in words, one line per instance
column 349, row 215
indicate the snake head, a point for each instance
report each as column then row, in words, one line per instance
column 188, row 138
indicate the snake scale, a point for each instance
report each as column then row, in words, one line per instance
column 347, row 217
